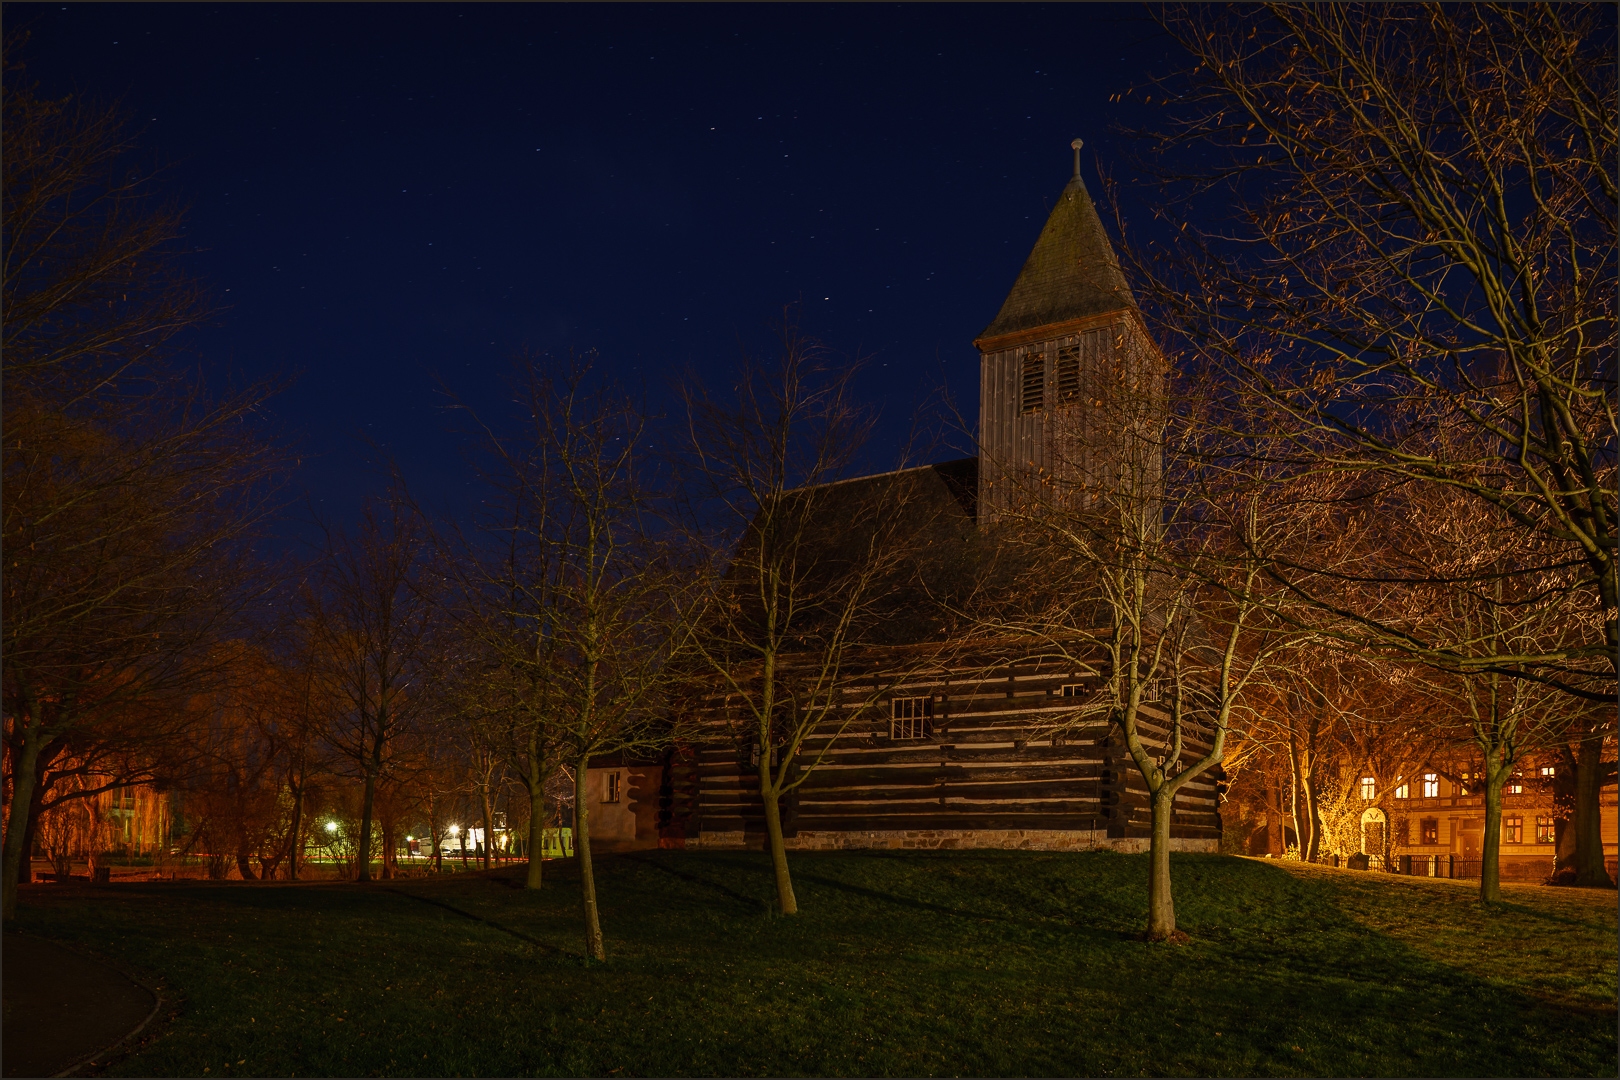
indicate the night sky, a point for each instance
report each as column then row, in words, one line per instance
column 383, row 197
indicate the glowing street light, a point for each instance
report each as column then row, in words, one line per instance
column 455, row 830
column 331, row 826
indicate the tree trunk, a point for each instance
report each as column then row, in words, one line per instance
column 489, row 825
column 15, row 860
column 537, row 827
column 1293, row 796
column 386, row 827
column 1490, row 866
column 1588, row 816
column 785, row 899
column 582, row 851
column 295, row 843
column 244, row 864
column 1161, row 907
column 1313, row 817
column 362, row 857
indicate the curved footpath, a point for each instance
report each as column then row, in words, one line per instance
column 62, row 1009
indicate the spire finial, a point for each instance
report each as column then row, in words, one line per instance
column 1076, row 145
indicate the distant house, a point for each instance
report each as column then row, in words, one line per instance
column 1439, row 812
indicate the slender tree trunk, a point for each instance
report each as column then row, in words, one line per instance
column 15, row 860
column 537, row 821
column 489, row 824
column 386, row 826
column 1161, row 907
column 785, row 899
column 1588, row 816
column 1313, row 816
column 295, row 844
column 25, row 870
column 367, row 804
column 1293, row 796
column 594, row 947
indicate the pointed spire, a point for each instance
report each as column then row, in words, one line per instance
column 1072, row 273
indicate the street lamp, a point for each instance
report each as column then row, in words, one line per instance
column 455, row 830
column 331, row 826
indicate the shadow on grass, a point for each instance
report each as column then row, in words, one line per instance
column 936, row 971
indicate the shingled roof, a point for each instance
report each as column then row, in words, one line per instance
column 1071, row 274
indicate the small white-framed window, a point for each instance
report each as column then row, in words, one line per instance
column 1073, row 689
column 1548, row 772
column 615, row 782
column 911, row 718
column 1403, row 790
column 1369, row 788
column 1431, row 786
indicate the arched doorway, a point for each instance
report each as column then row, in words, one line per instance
column 1373, row 825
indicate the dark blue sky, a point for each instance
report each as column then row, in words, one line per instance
column 381, row 195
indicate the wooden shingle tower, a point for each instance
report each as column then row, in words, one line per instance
column 1068, row 336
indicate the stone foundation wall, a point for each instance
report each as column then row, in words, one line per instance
column 948, row 839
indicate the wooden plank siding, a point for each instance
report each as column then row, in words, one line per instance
column 992, row 763
column 1018, row 443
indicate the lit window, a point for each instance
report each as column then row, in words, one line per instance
column 1369, row 788
column 1034, row 381
column 1546, row 833
column 1404, row 791
column 1513, row 830
column 1547, row 772
column 612, row 787
column 1431, row 830
column 912, row 718
column 1514, row 786
column 1431, row 786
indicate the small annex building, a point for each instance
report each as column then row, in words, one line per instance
column 961, row 753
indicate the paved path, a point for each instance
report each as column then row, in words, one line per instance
column 61, row 1008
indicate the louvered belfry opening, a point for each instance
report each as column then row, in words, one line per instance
column 1058, row 363
column 1034, row 382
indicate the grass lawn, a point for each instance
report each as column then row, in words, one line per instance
column 977, row 963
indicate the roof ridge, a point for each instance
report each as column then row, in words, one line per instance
column 879, row 475
column 1072, row 271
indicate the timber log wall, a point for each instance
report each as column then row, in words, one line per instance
column 990, row 773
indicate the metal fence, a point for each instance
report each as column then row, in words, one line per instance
column 1353, row 862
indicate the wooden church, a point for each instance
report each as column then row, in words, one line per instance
column 967, row 750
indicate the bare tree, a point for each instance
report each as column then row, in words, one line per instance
column 798, row 569
column 1421, row 239
column 129, row 489
column 372, row 624
column 1146, row 566
column 583, row 608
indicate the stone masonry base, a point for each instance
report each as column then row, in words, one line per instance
column 944, row 839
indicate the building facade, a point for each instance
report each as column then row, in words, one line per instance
column 957, row 743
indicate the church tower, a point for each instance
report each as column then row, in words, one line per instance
column 1066, row 345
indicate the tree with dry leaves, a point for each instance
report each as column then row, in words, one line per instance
column 1392, row 221
column 131, row 488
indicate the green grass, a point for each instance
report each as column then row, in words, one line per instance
column 986, row 963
